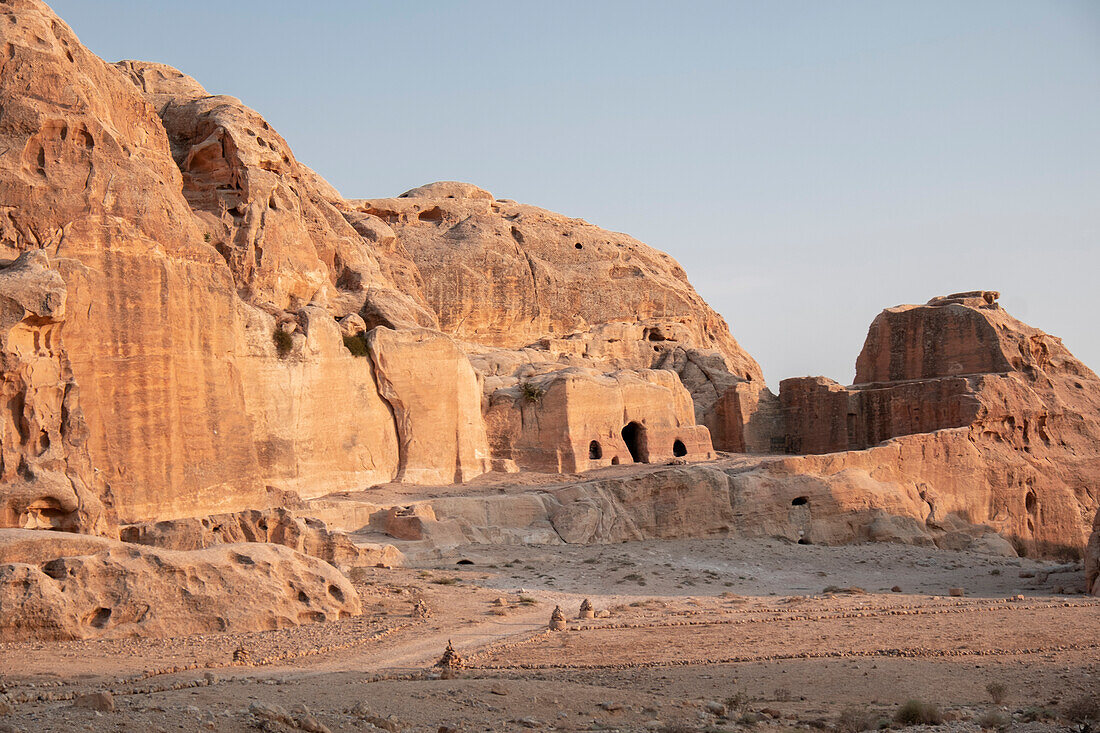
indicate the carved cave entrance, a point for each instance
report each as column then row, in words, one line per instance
column 679, row 449
column 595, row 451
column 635, row 439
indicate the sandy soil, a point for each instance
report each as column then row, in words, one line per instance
column 781, row 636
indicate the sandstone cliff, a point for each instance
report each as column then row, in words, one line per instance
column 213, row 283
column 1092, row 559
column 981, row 414
column 191, row 315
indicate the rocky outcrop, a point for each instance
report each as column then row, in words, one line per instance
column 1092, row 559
column 497, row 273
column 811, row 500
column 62, row 586
column 436, row 402
column 576, row 419
column 277, row 526
column 47, row 477
column 996, row 419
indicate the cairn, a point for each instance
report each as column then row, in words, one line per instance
column 587, row 611
column 421, row 610
column 242, row 655
column 450, row 662
column 557, row 620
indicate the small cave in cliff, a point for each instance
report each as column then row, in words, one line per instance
column 635, row 439
column 800, row 501
column 679, row 449
column 595, row 451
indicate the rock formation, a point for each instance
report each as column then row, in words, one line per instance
column 65, row 586
column 983, row 415
column 190, row 317
column 1092, row 559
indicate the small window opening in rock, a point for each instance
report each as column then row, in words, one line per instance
column 615, row 461
column 800, row 501
column 595, row 450
column 464, row 562
column 679, row 449
column 578, row 245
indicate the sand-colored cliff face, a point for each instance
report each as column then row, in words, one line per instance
column 96, row 188
column 1017, row 416
column 1092, row 559
column 523, row 273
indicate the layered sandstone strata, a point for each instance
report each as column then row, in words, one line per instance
column 1092, row 559
column 213, row 281
column 989, row 418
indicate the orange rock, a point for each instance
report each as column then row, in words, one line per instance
column 1092, row 559
column 64, row 586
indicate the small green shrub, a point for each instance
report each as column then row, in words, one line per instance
column 284, row 342
column 918, row 712
column 995, row 719
column 998, row 693
column 206, row 237
column 445, row 581
column 528, row 600
column 531, row 392
column 357, row 345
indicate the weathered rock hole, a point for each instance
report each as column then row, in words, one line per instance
column 1031, row 502
column 99, row 618
column 679, row 449
column 464, row 561
column 433, row 214
column 303, row 597
column 335, row 592
column 306, row 617
column 800, row 501
column 804, row 541
column 578, row 245
column 595, row 450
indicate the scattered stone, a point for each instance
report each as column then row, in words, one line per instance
column 102, row 702
column 896, row 589
column 956, row 592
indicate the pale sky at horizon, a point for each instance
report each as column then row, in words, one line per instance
column 809, row 163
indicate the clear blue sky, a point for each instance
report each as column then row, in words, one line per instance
column 809, row 163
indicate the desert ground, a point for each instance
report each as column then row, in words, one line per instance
column 710, row 634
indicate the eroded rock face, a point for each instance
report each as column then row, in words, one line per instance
column 996, row 418
column 497, row 273
column 1092, row 559
column 436, row 401
column 277, row 526
column 44, row 467
column 61, row 586
column 577, row 419
column 94, row 184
